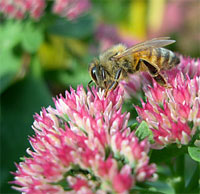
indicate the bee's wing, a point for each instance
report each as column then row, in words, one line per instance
column 155, row 43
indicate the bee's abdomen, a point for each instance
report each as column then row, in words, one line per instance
column 165, row 58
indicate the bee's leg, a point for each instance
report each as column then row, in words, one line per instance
column 89, row 87
column 160, row 79
column 114, row 84
column 154, row 71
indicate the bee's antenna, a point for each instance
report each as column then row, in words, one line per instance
column 90, row 87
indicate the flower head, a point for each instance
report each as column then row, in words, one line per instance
column 173, row 114
column 189, row 66
column 70, row 8
column 85, row 145
column 20, row 8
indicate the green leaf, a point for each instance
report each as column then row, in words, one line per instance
column 10, row 34
column 141, row 190
column 64, row 184
column 15, row 32
column 143, row 131
column 160, row 186
column 80, row 28
column 32, row 37
column 194, row 153
column 133, row 126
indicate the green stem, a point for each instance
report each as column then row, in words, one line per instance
column 179, row 182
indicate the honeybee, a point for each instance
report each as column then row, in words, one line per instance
column 118, row 62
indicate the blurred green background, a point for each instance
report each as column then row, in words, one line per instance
column 41, row 59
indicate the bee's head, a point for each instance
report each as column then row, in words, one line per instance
column 98, row 74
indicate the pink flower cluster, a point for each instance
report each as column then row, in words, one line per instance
column 18, row 9
column 70, row 8
column 173, row 114
column 188, row 66
column 85, row 145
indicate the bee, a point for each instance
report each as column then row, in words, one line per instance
column 118, row 62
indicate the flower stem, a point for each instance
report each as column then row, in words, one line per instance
column 179, row 182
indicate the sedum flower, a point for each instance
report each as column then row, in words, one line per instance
column 70, row 8
column 20, row 8
column 189, row 66
column 84, row 146
column 173, row 114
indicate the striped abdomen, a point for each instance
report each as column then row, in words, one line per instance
column 163, row 58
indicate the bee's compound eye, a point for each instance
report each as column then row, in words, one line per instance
column 93, row 73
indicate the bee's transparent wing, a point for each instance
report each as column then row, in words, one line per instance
column 155, row 43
